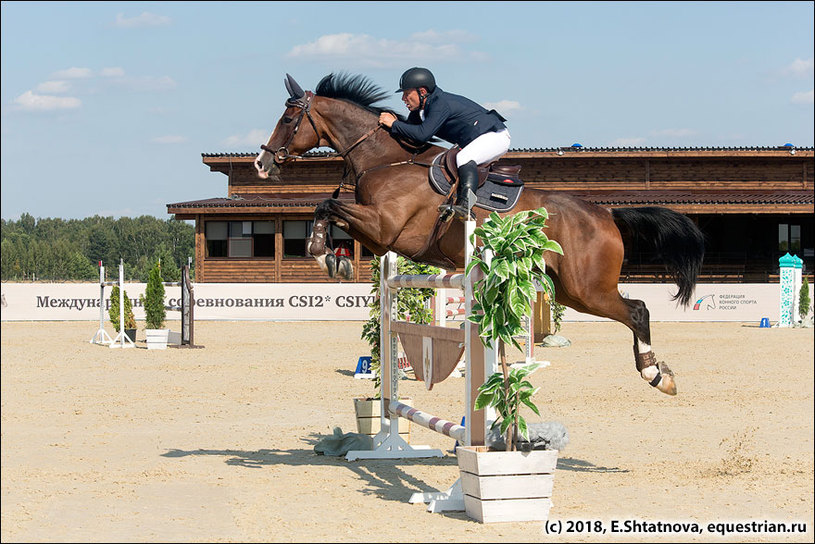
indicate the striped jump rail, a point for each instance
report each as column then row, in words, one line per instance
column 427, row 281
column 428, row 421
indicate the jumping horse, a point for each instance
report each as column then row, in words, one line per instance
column 396, row 209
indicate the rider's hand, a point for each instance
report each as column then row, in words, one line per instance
column 386, row 119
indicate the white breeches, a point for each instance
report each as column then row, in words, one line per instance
column 486, row 148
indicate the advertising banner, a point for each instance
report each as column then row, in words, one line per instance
column 214, row 301
column 710, row 302
column 349, row 301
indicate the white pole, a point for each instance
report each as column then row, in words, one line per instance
column 123, row 339
column 101, row 336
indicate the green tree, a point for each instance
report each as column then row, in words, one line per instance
column 47, row 249
column 803, row 299
column 153, row 299
column 115, row 310
column 101, row 245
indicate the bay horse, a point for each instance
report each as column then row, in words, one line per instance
column 395, row 209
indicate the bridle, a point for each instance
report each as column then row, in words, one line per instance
column 304, row 103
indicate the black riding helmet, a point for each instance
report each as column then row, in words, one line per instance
column 415, row 78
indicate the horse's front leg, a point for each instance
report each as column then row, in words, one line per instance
column 361, row 222
column 317, row 248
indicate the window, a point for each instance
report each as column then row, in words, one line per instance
column 264, row 238
column 789, row 238
column 294, row 238
column 240, row 238
column 215, row 233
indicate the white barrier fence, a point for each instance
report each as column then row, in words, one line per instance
column 349, row 302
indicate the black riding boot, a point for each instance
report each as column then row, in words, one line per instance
column 467, row 181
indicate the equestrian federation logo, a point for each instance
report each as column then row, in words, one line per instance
column 711, row 304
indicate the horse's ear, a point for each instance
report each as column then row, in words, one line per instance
column 295, row 91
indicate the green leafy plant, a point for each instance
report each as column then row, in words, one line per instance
column 502, row 297
column 410, row 302
column 557, row 314
column 803, row 299
column 113, row 311
column 153, row 299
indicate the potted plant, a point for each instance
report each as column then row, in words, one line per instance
column 154, row 310
column 508, row 485
column 410, row 303
column 804, row 301
column 114, row 311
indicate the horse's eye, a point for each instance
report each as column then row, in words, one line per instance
column 287, row 120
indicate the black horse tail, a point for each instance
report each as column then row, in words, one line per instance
column 674, row 237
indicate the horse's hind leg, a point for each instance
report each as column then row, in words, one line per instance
column 634, row 315
column 656, row 374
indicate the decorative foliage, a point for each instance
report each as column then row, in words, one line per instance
column 507, row 395
column 153, row 299
column 502, row 297
column 410, row 302
column 113, row 311
column 804, row 301
column 506, row 292
column 557, row 314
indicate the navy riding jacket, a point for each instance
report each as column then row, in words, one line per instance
column 451, row 117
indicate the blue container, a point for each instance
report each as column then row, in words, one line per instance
column 765, row 323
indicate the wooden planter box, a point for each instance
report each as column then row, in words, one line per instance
column 156, row 338
column 368, row 421
column 506, row 486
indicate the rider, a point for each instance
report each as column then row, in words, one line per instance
column 481, row 134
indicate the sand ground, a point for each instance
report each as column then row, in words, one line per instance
column 216, row 444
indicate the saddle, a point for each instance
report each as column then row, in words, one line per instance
column 499, row 186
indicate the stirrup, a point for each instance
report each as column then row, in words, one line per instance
column 462, row 213
column 447, row 213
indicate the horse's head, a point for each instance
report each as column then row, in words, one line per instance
column 291, row 136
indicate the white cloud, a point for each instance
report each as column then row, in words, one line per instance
column 628, row 142
column 252, row 139
column 55, row 86
column 73, row 73
column 28, row 101
column 803, row 98
column 674, row 132
column 799, row 68
column 112, row 72
column 504, row 107
column 169, row 139
column 366, row 50
column 145, row 19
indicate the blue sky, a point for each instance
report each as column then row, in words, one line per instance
column 107, row 106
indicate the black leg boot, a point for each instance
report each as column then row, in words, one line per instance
column 467, row 181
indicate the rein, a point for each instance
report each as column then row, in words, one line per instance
column 304, row 103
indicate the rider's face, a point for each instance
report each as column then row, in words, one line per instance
column 411, row 99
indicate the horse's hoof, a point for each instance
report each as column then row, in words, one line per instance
column 345, row 268
column 667, row 384
column 331, row 264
